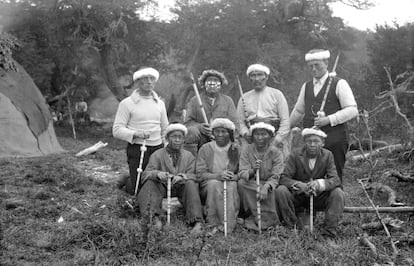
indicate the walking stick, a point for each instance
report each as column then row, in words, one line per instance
column 321, row 113
column 203, row 112
column 259, row 212
column 168, row 199
column 311, row 212
column 225, row 207
column 139, row 170
column 246, row 115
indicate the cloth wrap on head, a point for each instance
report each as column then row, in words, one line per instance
column 258, row 67
column 211, row 72
column 317, row 55
column 262, row 125
column 175, row 127
column 313, row 131
column 145, row 72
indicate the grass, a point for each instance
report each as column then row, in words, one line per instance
column 53, row 213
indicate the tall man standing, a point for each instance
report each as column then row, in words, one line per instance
column 264, row 104
column 216, row 105
column 141, row 116
column 340, row 106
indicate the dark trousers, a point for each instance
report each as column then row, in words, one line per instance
column 289, row 204
column 133, row 156
column 339, row 150
column 153, row 191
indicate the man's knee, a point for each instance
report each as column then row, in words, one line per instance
column 282, row 191
column 338, row 196
column 191, row 184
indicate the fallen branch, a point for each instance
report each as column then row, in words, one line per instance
column 394, row 248
column 392, row 195
column 393, row 223
column 406, row 209
column 388, row 149
column 92, row 149
column 399, row 176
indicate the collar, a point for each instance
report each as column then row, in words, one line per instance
column 136, row 97
column 321, row 80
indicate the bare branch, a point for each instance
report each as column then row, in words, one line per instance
column 358, row 4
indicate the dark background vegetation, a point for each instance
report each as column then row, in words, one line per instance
column 82, row 43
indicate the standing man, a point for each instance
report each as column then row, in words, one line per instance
column 264, row 104
column 340, row 106
column 141, row 116
column 216, row 105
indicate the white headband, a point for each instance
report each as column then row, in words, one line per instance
column 317, row 55
column 313, row 131
column 223, row 122
column 149, row 71
column 258, row 67
column 175, row 127
column 262, row 125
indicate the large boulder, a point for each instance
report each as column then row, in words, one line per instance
column 26, row 126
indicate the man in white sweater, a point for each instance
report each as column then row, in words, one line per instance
column 141, row 116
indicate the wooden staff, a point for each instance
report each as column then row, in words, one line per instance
column 203, row 112
column 225, row 207
column 168, row 199
column 139, row 170
column 259, row 212
column 321, row 113
column 246, row 115
column 311, row 211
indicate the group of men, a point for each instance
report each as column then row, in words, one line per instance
column 324, row 105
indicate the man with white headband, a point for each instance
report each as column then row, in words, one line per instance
column 264, row 104
column 141, row 116
column 340, row 106
column 310, row 171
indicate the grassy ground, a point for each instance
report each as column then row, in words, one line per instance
column 55, row 213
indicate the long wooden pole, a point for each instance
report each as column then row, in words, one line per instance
column 225, row 207
column 139, row 170
column 259, row 211
column 203, row 112
column 246, row 115
column 379, row 209
column 169, row 199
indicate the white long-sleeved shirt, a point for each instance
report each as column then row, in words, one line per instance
column 268, row 103
column 141, row 113
column 345, row 96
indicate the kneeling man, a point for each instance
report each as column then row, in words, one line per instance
column 311, row 171
column 178, row 164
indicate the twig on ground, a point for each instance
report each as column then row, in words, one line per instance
column 92, row 149
column 394, row 248
column 379, row 209
column 393, row 223
column 400, row 176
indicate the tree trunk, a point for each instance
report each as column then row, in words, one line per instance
column 110, row 75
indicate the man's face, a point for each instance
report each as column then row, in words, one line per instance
column 222, row 136
column 313, row 145
column 318, row 68
column 258, row 79
column 146, row 83
column 261, row 137
column 176, row 139
column 212, row 84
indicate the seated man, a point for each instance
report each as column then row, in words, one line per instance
column 311, row 171
column 178, row 164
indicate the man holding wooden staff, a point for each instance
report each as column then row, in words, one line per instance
column 172, row 166
column 141, row 118
column 214, row 105
column 339, row 106
column 309, row 173
column 264, row 104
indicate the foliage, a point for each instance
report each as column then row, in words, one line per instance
column 7, row 44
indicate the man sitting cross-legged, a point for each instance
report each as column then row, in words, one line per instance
column 176, row 163
column 311, row 171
